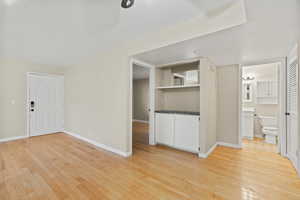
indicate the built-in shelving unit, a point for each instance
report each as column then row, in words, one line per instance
column 178, row 86
column 173, row 89
column 186, row 86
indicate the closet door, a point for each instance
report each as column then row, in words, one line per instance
column 292, row 108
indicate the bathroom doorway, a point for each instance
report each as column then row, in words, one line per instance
column 262, row 121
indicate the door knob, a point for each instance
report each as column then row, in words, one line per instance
column 32, row 104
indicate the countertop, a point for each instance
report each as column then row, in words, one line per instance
column 177, row 112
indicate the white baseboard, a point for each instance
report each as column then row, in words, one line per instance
column 102, row 146
column 13, row 138
column 294, row 161
column 236, row 146
column 205, row 155
column 141, row 121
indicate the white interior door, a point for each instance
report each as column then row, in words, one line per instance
column 46, row 104
column 292, row 108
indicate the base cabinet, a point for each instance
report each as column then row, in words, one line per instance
column 164, row 124
column 248, row 125
column 186, row 132
column 178, row 131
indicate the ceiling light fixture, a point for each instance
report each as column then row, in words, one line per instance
column 249, row 78
column 127, row 3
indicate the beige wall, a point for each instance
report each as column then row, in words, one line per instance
column 141, row 99
column 13, row 95
column 267, row 72
column 186, row 99
column 208, row 105
column 96, row 101
column 228, row 104
column 97, row 91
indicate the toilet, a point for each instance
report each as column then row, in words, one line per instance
column 269, row 129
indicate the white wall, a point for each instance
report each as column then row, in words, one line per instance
column 228, row 104
column 97, row 92
column 13, row 95
column 208, row 105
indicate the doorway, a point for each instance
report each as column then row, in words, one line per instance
column 45, row 104
column 262, row 106
column 142, row 103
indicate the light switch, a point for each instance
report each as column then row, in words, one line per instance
column 13, row 102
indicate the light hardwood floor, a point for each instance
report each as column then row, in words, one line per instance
column 258, row 144
column 59, row 166
column 140, row 133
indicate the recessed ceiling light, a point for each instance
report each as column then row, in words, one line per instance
column 10, row 2
column 127, row 3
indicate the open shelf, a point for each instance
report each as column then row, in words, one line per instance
column 178, row 86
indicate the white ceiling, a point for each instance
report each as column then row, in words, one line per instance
column 64, row 32
column 273, row 27
column 140, row 72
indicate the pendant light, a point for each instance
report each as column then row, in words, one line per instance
column 127, row 3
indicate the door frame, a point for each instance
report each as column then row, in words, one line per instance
column 27, row 108
column 152, row 140
column 282, row 147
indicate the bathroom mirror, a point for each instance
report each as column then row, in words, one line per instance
column 247, row 92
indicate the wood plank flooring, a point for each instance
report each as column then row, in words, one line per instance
column 258, row 144
column 140, row 133
column 59, row 166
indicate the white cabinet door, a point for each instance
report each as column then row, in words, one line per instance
column 186, row 132
column 248, row 125
column 164, row 128
column 267, row 92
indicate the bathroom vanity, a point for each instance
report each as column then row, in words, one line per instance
column 248, row 115
column 178, row 129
